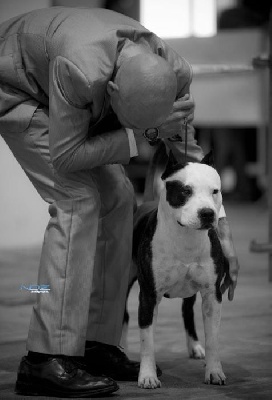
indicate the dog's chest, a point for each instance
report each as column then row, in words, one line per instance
column 181, row 270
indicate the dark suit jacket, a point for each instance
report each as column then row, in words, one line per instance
column 64, row 58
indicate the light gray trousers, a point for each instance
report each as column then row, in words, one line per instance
column 86, row 252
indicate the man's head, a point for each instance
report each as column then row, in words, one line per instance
column 143, row 91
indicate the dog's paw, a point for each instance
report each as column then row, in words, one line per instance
column 149, row 382
column 196, row 351
column 214, row 375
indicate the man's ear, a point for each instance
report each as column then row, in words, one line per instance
column 112, row 88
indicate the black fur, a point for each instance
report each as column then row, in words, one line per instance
column 126, row 317
column 177, row 194
column 126, row 313
column 188, row 316
column 172, row 166
column 206, row 216
column 208, row 159
column 220, row 261
column 142, row 254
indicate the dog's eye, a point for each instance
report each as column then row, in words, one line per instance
column 187, row 191
column 177, row 194
column 215, row 191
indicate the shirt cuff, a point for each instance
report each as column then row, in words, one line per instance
column 222, row 213
column 132, row 143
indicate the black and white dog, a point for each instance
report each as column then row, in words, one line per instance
column 177, row 253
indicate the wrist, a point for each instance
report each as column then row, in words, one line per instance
column 151, row 135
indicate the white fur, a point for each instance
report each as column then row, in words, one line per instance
column 203, row 180
column 182, row 265
column 182, row 254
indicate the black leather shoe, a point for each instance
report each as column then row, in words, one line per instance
column 60, row 376
column 104, row 359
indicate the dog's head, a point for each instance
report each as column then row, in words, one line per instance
column 192, row 193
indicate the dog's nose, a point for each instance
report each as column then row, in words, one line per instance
column 206, row 216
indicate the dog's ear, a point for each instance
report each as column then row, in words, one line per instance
column 171, row 159
column 208, row 159
column 171, row 162
column 172, row 166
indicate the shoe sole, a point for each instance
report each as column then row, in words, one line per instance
column 30, row 389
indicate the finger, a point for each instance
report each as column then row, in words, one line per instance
column 181, row 114
column 223, row 288
column 227, row 282
column 184, row 105
column 184, row 100
column 234, row 266
column 190, row 117
column 177, row 104
column 231, row 293
column 233, row 278
column 185, row 97
column 177, row 117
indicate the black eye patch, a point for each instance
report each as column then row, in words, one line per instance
column 177, row 194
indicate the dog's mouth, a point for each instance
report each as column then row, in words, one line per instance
column 203, row 227
column 180, row 224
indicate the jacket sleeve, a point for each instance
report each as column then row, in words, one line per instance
column 71, row 98
column 184, row 74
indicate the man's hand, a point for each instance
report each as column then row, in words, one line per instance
column 183, row 108
column 230, row 279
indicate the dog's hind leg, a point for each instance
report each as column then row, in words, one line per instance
column 124, row 337
column 148, row 311
column 195, row 349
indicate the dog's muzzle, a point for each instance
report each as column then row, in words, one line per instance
column 206, row 217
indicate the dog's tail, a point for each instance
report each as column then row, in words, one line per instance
column 156, row 165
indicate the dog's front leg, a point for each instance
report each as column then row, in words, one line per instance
column 148, row 376
column 148, row 312
column 211, row 310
